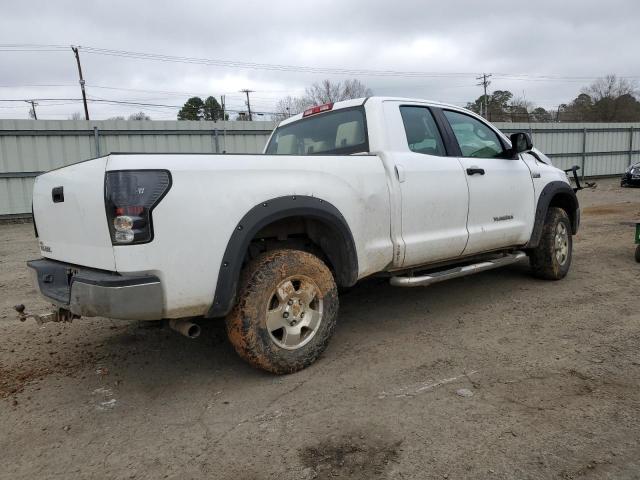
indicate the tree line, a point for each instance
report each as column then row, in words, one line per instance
column 608, row 99
column 197, row 109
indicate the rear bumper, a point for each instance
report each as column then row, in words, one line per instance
column 96, row 293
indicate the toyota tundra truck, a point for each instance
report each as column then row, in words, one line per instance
column 416, row 191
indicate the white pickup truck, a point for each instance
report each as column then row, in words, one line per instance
column 414, row 190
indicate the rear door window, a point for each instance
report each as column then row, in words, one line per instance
column 422, row 132
column 340, row 132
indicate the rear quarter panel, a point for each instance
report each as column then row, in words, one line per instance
column 75, row 230
column 211, row 193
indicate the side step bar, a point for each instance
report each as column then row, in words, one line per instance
column 435, row 277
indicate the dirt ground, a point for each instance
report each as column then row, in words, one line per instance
column 497, row 375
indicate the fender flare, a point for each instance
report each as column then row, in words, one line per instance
column 549, row 192
column 264, row 214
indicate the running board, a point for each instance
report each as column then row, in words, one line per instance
column 435, row 277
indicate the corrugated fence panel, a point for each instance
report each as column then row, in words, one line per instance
column 15, row 195
column 599, row 165
column 28, row 147
column 598, row 148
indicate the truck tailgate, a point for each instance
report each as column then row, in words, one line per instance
column 70, row 217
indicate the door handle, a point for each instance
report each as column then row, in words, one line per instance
column 400, row 173
column 473, row 170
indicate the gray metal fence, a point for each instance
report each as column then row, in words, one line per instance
column 30, row 147
column 600, row 149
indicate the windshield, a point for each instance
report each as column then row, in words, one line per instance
column 339, row 132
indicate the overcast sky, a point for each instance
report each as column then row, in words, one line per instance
column 573, row 42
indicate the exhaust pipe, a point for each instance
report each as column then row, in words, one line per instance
column 185, row 327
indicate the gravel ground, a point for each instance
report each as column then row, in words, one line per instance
column 497, row 375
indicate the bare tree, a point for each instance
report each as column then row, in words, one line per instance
column 76, row 116
column 519, row 108
column 521, row 103
column 355, row 89
column 608, row 99
column 288, row 106
column 327, row 91
column 539, row 114
column 319, row 93
column 612, row 87
column 322, row 92
column 139, row 116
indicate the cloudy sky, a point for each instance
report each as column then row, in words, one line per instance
column 545, row 50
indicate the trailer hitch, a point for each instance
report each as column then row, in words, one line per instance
column 58, row 315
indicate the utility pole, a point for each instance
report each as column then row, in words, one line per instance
column 33, row 108
column 222, row 105
column 84, row 95
column 485, row 82
column 247, row 92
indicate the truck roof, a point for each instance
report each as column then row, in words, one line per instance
column 360, row 101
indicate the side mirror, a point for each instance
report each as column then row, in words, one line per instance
column 520, row 142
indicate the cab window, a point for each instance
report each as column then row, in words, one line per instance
column 422, row 132
column 474, row 137
column 342, row 131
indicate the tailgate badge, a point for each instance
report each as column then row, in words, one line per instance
column 45, row 248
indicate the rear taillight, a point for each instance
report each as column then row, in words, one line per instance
column 130, row 197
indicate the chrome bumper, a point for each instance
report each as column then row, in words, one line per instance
column 96, row 293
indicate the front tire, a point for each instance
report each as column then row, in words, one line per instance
column 551, row 259
column 286, row 311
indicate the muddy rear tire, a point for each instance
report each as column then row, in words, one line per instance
column 551, row 259
column 286, row 311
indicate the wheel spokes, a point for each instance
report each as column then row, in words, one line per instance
column 294, row 313
column 275, row 320
column 291, row 336
column 312, row 319
column 307, row 292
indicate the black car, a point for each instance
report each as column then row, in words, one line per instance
column 631, row 177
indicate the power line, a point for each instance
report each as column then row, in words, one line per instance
column 121, row 102
column 258, row 66
column 38, row 99
column 308, row 69
column 298, row 68
column 37, row 85
column 32, row 46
